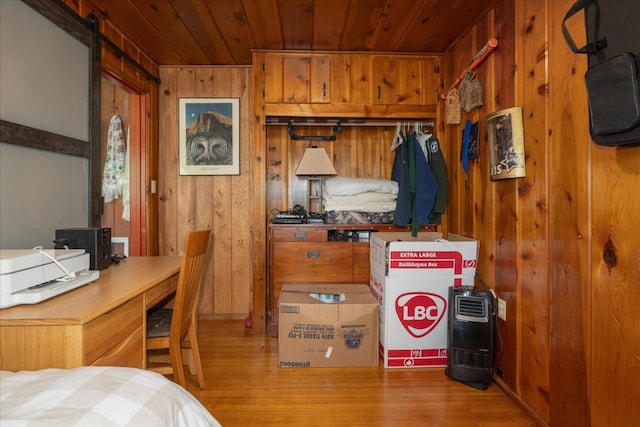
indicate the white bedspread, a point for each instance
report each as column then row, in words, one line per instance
column 97, row 396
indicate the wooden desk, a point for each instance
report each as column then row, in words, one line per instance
column 101, row 323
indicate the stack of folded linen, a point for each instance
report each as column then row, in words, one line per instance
column 359, row 200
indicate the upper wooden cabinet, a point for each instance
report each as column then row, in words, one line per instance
column 351, row 84
column 297, row 78
column 404, row 81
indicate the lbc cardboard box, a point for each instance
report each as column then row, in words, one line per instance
column 410, row 278
column 327, row 325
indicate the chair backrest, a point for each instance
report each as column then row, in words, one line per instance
column 189, row 281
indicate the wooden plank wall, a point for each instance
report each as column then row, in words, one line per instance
column 560, row 245
column 570, row 228
column 222, row 203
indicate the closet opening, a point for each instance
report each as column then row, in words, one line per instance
column 124, row 174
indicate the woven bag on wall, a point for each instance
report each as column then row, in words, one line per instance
column 470, row 94
column 452, row 107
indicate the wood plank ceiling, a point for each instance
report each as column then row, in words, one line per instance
column 223, row 32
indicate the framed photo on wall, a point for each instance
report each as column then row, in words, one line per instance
column 505, row 132
column 209, row 136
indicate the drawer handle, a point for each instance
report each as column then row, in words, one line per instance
column 313, row 254
column 300, row 235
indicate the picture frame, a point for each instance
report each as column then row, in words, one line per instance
column 505, row 134
column 209, row 136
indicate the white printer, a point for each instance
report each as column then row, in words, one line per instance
column 29, row 276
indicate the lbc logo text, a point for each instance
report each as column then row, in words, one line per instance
column 420, row 312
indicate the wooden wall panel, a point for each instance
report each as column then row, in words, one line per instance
column 259, row 204
column 569, row 229
column 506, row 215
column 484, row 197
column 221, row 203
column 467, row 48
column 168, row 162
column 615, row 255
column 533, row 275
column 459, row 55
column 242, row 198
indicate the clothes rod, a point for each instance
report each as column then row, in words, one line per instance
column 275, row 121
column 298, row 121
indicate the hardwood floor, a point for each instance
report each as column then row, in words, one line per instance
column 245, row 387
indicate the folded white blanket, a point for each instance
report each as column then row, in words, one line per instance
column 364, row 202
column 368, row 197
column 347, row 186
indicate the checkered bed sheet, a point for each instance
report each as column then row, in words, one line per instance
column 97, row 396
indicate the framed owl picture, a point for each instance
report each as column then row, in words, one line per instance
column 209, row 136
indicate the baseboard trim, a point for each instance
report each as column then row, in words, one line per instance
column 535, row 417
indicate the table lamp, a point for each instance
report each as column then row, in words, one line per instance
column 315, row 164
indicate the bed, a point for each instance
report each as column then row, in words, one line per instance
column 348, row 200
column 97, row 396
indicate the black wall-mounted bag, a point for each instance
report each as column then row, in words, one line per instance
column 613, row 76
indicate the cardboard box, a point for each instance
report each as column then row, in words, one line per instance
column 410, row 278
column 315, row 333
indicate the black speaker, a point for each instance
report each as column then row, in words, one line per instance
column 470, row 336
column 96, row 241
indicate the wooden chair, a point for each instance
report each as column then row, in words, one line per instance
column 168, row 328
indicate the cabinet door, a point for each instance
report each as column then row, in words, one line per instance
column 384, row 80
column 432, row 84
column 297, row 78
column 320, row 79
column 273, row 73
column 409, row 82
column 398, row 81
column 360, row 79
column 405, row 81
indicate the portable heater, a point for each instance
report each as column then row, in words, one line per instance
column 470, row 336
